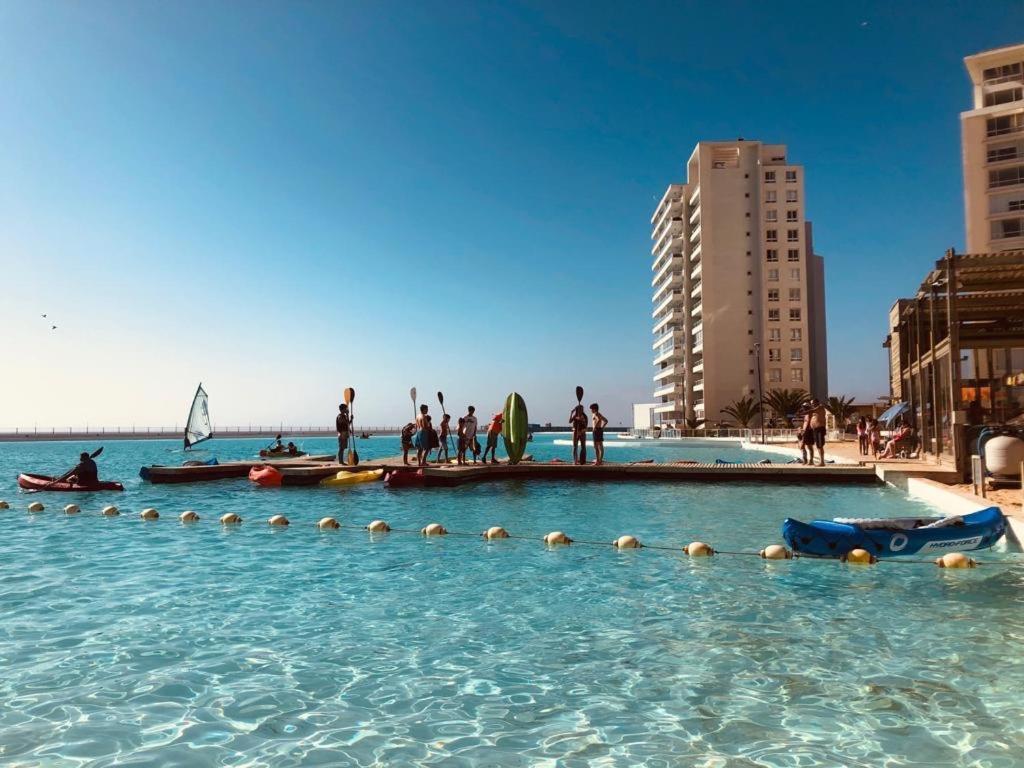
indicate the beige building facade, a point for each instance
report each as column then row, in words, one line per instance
column 735, row 284
column 993, row 151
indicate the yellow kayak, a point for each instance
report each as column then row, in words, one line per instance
column 352, row 478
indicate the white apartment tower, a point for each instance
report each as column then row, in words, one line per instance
column 993, row 151
column 735, row 281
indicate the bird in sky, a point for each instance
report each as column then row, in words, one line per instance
column 44, row 314
column 53, row 327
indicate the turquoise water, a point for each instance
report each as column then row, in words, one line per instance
column 132, row 643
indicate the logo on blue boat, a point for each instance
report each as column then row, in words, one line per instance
column 944, row 546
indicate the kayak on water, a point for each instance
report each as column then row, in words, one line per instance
column 404, row 478
column 32, row 482
column 353, row 478
column 265, row 454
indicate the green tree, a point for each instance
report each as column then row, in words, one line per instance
column 841, row 409
column 784, row 403
column 744, row 410
column 692, row 422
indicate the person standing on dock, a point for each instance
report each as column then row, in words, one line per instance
column 470, row 424
column 443, row 433
column 600, row 422
column 343, row 426
column 422, row 439
column 578, row 424
column 460, row 451
column 814, row 431
column 492, row 438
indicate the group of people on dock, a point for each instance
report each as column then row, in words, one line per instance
column 424, row 438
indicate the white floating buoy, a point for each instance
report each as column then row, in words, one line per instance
column 378, row 526
column 495, row 532
column 328, row 524
column 4, row 504
column 627, row 542
column 698, row 549
column 434, row 529
column 72, row 509
column 278, row 520
column 36, row 506
column 111, row 511
column 776, row 552
column 149, row 514
column 230, row 518
column 859, row 557
column 557, row 537
column 188, row 516
column 956, row 560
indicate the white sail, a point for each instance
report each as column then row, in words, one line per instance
column 198, row 427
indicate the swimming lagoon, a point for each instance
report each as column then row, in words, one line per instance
column 133, row 643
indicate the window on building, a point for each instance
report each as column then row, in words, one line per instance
column 791, row 216
column 794, row 294
column 794, row 274
column 1004, row 96
column 774, row 355
column 769, row 177
column 997, row 126
column 772, row 255
column 796, row 334
column 790, row 195
column 773, row 294
column 1015, row 205
column 794, row 314
column 773, row 315
column 793, row 254
column 1006, row 177
column 998, row 154
column 1004, row 228
column 796, row 355
column 790, row 176
column 773, row 275
column 771, row 215
column 792, row 235
column 772, row 235
column 770, row 196
column 797, row 374
column 774, row 375
column 774, row 334
column 1003, row 73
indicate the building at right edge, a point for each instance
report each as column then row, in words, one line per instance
column 736, row 284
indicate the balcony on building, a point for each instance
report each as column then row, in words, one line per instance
column 674, row 260
column 667, row 390
column 675, row 316
column 673, row 280
column 675, row 407
column 664, row 373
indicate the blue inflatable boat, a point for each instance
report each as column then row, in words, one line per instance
column 896, row 536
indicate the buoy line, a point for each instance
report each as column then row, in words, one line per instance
column 954, row 560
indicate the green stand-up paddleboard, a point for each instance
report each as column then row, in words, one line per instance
column 516, row 427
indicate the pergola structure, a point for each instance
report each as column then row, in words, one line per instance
column 956, row 349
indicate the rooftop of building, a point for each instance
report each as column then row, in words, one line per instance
column 976, row 63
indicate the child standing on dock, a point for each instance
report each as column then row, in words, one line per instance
column 600, row 422
column 470, row 428
column 492, row 438
column 444, row 433
column 407, row 433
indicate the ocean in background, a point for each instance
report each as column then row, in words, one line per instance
column 124, row 642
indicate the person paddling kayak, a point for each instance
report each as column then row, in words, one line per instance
column 85, row 472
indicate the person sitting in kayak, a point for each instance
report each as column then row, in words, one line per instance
column 292, row 449
column 85, row 472
column 492, row 438
column 277, row 446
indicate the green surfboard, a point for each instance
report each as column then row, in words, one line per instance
column 515, row 429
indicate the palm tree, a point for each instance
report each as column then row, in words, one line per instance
column 743, row 410
column 841, row 409
column 785, row 402
column 692, row 422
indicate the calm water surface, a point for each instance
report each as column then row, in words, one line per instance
column 159, row 644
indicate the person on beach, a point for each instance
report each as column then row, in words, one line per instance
column 874, row 437
column 460, row 436
column 862, row 435
column 492, row 438
column 407, row 432
column 470, row 426
column 343, row 426
column 422, row 439
column 599, row 423
column 444, row 431
column 578, row 425
column 814, row 431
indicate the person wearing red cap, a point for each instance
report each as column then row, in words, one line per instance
column 492, row 438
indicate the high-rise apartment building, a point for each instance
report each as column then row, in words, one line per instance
column 735, row 281
column 993, row 151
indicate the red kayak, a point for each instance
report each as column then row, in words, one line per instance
column 268, row 477
column 404, row 478
column 45, row 483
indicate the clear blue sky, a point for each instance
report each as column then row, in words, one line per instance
column 284, row 199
